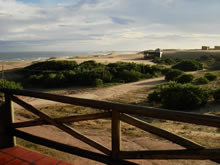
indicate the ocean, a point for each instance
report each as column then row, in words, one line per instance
column 21, row 56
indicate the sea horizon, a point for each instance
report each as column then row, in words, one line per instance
column 41, row 55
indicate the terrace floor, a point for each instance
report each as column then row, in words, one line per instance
column 21, row 156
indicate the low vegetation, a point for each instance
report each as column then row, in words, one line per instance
column 51, row 74
column 184, row 78
column 216, row 94
column 180, row 96
column 201, row 80
column 172, row 74
column 188, row 65
column 9, row 84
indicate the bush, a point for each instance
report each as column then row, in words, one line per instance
column 98, row 83
column 130, row 76
column 172, row 74
column 155, row 96
column 216, row 94
column 210, row 76
column 201, row 80
column 188, row 65
column 184, row 78
column 180, row 96
column 9, row 84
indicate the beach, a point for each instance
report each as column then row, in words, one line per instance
column 105, row 59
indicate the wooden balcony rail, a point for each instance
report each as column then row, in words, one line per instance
column 117, row 112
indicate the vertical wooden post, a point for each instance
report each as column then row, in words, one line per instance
column 6, row 119
column 116, row 134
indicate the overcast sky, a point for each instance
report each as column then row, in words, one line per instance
column 99, row 25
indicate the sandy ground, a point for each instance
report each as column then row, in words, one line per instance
column 103, row 137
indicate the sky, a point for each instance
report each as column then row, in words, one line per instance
column 108, row 25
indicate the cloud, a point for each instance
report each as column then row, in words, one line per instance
column 97, row 24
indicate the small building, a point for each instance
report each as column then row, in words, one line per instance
column 217, row 48
column 150, row 54
column 205, row 48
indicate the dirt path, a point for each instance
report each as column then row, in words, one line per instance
column 103, row 137
column 98, row 93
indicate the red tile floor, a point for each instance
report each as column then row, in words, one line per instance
column 21, row 156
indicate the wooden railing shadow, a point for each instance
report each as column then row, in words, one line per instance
column 117, row 112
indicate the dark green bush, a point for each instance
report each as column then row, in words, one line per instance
column 130, row 76
column 210, row 76
column 216, row 94
column 184, row 78
column 9, row 84
column 98, row 83
column 172, row 74
column 180, row 96
column 201, row 80
column 155, row 96
column 166, row 61
column 188, row 65
column 66, row 73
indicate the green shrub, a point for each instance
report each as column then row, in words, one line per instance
column 98, row 83
column 216, row 94
column 155, row 96
column 130, row 76
column 188, row 65
column 184, row 78
column 180, row 96
column 201, row 80
column 9, row 84
column 66, row 73
column 172, row 74
column 210, row 76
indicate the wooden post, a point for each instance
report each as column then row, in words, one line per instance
column 116, row 134
column 6, row 119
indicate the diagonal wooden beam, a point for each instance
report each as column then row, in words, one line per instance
column 66, row 129
column 69, row 119
column 162, row 133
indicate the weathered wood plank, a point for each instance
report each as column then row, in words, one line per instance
column 66, row 129
column 193, row 154
column 116, row 134
column 207, row 120
column 70, row 149
column 6, row 120
column 69, row 119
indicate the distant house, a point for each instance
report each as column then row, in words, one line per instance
column 217, row 48
column 205, row 48
column 150, row 54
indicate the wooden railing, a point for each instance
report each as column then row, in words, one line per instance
column 117, row 112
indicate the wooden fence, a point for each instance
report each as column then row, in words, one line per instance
column 117, row 112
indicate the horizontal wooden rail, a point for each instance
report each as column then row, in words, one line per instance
column 68, row 119
column 69, row 149
column 207, row 120
column 193, row 154
column 66, row 129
